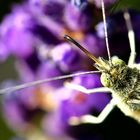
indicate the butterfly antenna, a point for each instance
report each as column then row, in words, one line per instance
column 38, row 82
column 105, row 30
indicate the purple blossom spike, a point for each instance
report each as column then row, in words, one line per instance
column 53, row 127
column 76, row 19
column 57, row 29
column 20, row 108
column 37, row 6
column 57, row 14
column 94, row 44
column 15, row 32
column 88, row 81
column 47, row 70
column 66, row 57
column 100, row 29
column 23, row 69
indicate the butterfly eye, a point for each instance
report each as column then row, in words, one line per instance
column 105, row 80
column 117, row 61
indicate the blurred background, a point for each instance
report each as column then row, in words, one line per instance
column 32, row 48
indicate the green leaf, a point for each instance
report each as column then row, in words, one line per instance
column 122, row 4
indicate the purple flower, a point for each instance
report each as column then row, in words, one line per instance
column 66, row 57
column 53, row 127
column 48, row 70
column 77, row 19
column 15, row 32
column 94, row 44
column 100, row 29
column 23, row 69
column 50, row 26
column 48, row 30
column 56, row 14
column 36, row 6
column 20, row 108
column 88, row 81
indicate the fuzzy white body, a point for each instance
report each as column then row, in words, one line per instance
column 125, row 108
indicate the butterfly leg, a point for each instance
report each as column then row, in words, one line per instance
column 131, row 37
column 85, row 90
column 93, row 119
column 89, row 118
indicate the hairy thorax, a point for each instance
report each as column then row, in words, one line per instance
column 124, row 82
column 127, row 87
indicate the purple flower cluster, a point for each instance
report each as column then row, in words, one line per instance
column 33, row 33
